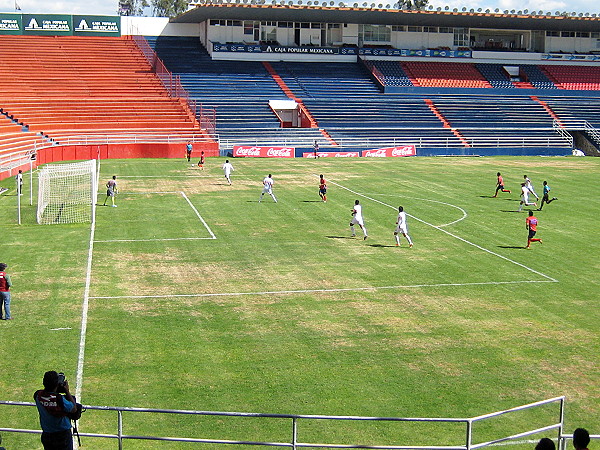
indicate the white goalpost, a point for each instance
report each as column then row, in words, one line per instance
column 67, row 193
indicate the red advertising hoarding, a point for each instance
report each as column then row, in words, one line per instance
column 263, row 152
column 405, row 150
column 332, row 154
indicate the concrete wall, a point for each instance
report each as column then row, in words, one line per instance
column 157, row 26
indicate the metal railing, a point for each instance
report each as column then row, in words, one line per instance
column 577, row 125
column 295, row 420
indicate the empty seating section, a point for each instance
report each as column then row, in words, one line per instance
column 310, row 80
column 391, row 72
column 64, row 87
column 451, row 74
column 239, row 91
column 571, row 110
column 574, row 77
column 352, row 110
column 495, row 75
column 496, row 116
column 536, row 76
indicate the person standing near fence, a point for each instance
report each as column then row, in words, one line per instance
column 19, row 180
column 5, row 285
column 53, row 407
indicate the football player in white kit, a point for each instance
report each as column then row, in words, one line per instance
column 525, row 197
column 401, row 227
column 357, row 218
column 227, row 169
column 267, row 188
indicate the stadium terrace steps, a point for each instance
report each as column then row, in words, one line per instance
column 87, row 85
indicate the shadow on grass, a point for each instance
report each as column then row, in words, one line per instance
column 510, row 210
column 512, row 246
column 311, row 201
column 382, row 246
column 340, row 237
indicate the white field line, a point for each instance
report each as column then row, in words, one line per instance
column 453, row 235
column 464, row 213
column 313, row 291
column 158, row 239
column 84, row 313
column 212, row 235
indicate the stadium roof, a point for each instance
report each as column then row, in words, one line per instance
column 300, row 13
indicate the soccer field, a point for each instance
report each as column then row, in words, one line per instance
column 192, row 295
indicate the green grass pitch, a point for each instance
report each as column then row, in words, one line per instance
column 199, row 297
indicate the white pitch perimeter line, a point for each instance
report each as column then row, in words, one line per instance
column 84, row 313
column 453, row 235
column 313, row 291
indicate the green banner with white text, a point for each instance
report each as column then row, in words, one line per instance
column 59, row 25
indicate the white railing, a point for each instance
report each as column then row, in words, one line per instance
column 577, row 125
column 295, row 420
column 133, row 139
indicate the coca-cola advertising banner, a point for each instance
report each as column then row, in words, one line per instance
column 332, row 154
column 263, row 152
column 405, row 150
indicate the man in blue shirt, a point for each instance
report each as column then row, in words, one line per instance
column 53, row 408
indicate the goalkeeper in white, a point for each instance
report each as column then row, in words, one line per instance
column 401, row 227
column 111, row 190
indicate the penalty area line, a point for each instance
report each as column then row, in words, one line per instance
column 549, row 278
column 316, row 291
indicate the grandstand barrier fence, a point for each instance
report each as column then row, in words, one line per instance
column 577, row 125
column 295, row 421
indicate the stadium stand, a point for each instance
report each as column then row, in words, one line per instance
column 535, row 77
column 574, row 77
column 453, row 75
column 388, row 73
column 495, row 75
column 66, row 88
column 508, row 117
column 239, row 91
column 348, row 107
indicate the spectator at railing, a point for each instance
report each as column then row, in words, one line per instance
column 581, row 439
column 545, row 444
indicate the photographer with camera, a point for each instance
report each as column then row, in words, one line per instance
column 54, row 408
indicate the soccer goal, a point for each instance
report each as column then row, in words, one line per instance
column 67, row 193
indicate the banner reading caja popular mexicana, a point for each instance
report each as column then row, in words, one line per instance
column 60, row 25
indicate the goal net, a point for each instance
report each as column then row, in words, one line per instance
column 67, row 193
